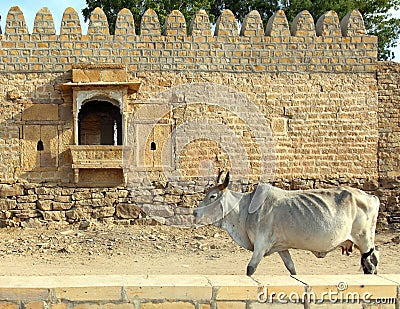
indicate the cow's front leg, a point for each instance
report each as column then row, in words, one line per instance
column 287, row 260
column 259, row 250
column 254, row 261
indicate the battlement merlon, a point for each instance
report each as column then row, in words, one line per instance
column 327, row 45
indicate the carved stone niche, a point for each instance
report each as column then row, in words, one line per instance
column 100, row 112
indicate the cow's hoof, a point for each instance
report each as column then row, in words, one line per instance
column 250, row 270
column 368, row 270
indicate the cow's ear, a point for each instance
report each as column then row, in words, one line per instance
column 260, row 195
column 219, row 176
column 226, row 181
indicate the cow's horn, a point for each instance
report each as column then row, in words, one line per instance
column 219, row 176
column 226, row 181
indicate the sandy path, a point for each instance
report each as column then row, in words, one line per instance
column 102, row 249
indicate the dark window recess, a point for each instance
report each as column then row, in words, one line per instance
column 39, row 146
column 153, row 146
column 100, row 123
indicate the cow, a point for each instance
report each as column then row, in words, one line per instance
column 270, row 219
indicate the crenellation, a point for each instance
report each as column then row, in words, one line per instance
column 303, row 25
column 15, row 24
column 98, row 24
column 44, row 24
column 150, row 25
column 200, row 26
column 175, row 24
column 99, row 46
column 278, row 25
column 252, row 25
column 353, row 24
column 125, row 24
column 226, row 26
column 70, row 25
column 328, row 25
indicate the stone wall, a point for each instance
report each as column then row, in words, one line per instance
column 294, row 105
column 389, row 139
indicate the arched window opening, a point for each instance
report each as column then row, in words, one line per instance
column 100, row 123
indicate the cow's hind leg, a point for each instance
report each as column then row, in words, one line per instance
column 375, row 258
column 366, row 264
column 363, row 233
column 287, row 260
column 368, row 256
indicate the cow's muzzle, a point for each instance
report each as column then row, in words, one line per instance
column 196, row 213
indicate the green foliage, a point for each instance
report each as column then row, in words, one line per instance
column 376, row 13
column 240, row 8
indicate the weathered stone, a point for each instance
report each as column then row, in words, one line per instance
column 45, row 204
column 97, row 195
column 123, row 193
column 163, row 211
column 172, row 199
column 112, row 195
column 81, row 196
column 5, row 214
column 128, row 211
column 389, row 183
column 44, row 190
column 45, row 197
column 371, row 185
column 184, row 211
column 94, row 202
column 9, row 223
column 78, row 214
column 13, row 95
column 40, row 112
column 27, row 198
column 26, row 206
column 7, row 204
column 28, row 213
column 63, row 198
column 53, row 215
column 62, row 206
column 10, row 190
column 31, row 223
column 191, row 200
column 103, row 212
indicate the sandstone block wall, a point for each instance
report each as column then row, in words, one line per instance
column 295, row 105
column 389, row 138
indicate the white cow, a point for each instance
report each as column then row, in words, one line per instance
column 270, row 220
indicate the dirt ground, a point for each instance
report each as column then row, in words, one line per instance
column 112, row 249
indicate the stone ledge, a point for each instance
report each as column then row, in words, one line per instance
column 184, row 291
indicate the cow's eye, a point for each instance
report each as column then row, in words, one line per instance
column 213, row 196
